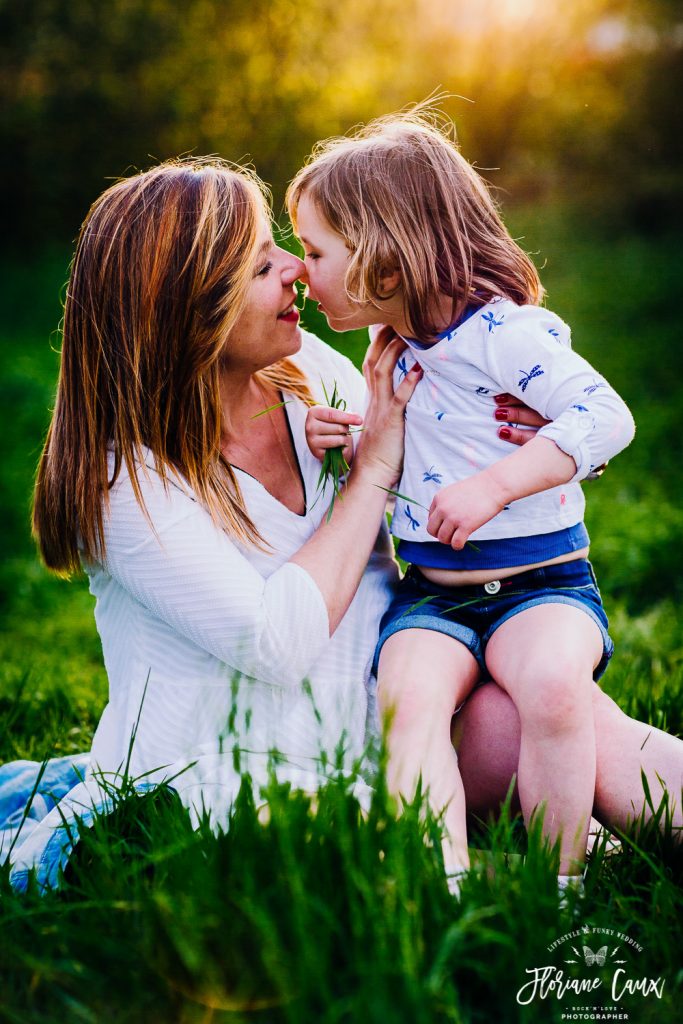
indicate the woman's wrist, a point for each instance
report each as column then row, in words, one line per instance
column 369, row 471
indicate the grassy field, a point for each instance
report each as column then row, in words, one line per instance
column 325, row 916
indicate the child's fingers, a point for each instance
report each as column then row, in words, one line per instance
column 447, row 530
column 459, row 539
column 332, row 441
column 337, row 429
column 325, row 414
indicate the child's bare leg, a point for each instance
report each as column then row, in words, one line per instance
column 544, row 658
column 423, row 675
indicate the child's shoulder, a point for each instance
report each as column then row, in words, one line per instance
column 502, row 317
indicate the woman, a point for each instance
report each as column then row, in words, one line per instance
column 220, row 585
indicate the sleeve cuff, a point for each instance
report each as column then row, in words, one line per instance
column 573, row 443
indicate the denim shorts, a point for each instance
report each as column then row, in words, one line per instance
column 472, row 614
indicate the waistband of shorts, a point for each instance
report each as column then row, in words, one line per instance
column 546, row 575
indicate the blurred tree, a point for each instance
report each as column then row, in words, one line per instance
column 588, row 88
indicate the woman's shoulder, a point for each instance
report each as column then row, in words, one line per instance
column 163, row 494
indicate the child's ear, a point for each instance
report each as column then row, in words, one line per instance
column 389, row 282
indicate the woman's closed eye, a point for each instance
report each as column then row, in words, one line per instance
column 263, row 272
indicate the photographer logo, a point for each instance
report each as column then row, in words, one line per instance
column 597, row 969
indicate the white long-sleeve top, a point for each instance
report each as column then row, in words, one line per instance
column 228, row 644
column 526, row 351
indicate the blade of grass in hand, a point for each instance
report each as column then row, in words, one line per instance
column 334, row 465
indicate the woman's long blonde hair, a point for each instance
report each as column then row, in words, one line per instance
column 159, row 277
column 403, row 197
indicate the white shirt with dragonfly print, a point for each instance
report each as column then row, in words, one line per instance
column 451, row 433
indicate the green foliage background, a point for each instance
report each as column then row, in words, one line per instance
column 558, row 95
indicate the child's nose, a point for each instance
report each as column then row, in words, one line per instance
column 303, row 273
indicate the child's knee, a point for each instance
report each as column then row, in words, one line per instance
column 407, row 705
column 558, row 697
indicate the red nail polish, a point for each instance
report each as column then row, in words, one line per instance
column 501, row 414
column 500, row 399
column 505, row 433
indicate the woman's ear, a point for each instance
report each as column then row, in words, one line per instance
column 389, row 282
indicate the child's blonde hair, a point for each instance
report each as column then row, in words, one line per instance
column 403, row 197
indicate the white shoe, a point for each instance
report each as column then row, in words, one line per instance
column 454, row 881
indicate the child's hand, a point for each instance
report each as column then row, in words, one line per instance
column 460, row 509
column 329, row 428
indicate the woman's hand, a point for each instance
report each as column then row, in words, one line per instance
column 511, row 414
column 381, row 444
column 336, row 556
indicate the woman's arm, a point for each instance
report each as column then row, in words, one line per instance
column 337, row 554
column 183, row 568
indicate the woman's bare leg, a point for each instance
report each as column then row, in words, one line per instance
column 625, row 748
column 423, row 676
column 487, row 734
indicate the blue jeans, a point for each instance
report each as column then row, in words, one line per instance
column 42, row 807
column 472, row 614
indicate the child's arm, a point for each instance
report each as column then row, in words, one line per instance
column 457, row 511
column 329, row 428
column 530, row 357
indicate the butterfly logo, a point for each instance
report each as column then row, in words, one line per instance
column 597, row 959
column 592, row 958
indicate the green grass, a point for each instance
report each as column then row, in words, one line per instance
column 323, row 915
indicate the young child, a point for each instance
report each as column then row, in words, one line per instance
column 399, row 229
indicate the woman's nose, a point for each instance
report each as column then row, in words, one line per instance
column 295, row 269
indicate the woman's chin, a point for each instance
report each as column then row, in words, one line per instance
column 295, row 341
